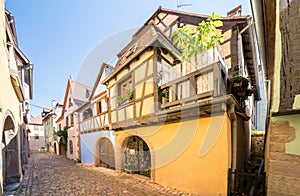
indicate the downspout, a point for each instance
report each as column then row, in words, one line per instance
column 234, row 135
column 268, row 83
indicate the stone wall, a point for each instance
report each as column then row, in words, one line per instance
column 290, row 60
column 283, row 170
column 257, row 145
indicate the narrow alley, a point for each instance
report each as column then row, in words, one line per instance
column 49, row 174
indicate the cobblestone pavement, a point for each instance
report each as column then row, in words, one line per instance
column 49, row 174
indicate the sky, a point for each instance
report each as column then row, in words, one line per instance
column 71, row 38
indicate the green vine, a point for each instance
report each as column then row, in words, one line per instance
column 63, row 134
column 192, row 41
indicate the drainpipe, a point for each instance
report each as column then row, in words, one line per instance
column 268, row 83
column 234, row 134
column 240, row 49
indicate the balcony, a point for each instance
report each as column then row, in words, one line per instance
column 203, row 60
column 94, row 123
column 206, row 79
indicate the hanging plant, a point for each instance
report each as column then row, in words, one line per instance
column 241, row 87
column 240, row 81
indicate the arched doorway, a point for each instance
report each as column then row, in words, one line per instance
column 10, row 153
column 106, row 153
column 55, row 148
column 137, row 156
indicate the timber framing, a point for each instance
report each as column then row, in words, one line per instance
column 202, row 109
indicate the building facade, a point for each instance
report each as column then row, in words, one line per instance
column 36, row 134
column 16, row 87
column 93, row 115
column 162, row 117
column 278, row 32
column 50, row 116
column 76, row 94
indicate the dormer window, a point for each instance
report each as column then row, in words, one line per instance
column 130, row 51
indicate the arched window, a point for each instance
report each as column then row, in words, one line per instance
column 87, row 113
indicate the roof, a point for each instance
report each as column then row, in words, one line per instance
column 192, row 18
column 38, row 120
column 24, row 61
column 104, row 69
column 11, row 26
column 80, row 93
column 150, row 35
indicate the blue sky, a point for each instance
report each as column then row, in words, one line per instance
column 58, row 35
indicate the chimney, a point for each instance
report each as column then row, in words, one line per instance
column 235, row 12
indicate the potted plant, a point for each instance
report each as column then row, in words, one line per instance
column 240, row 81
column 125, row 99
column 241, row 87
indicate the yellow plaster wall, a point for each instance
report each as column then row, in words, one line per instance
column 132, row 65
column 9, row 102
column 140, row 72
column 148, row 106
column 175, row 151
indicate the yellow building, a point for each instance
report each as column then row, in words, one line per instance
column 172, row 121
column 16, row 91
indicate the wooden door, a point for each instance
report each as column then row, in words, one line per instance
column 106, row 153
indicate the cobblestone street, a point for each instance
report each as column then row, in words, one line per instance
column 49, row 174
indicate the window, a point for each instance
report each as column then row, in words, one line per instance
column 71, row 146
column 99, row 109
column 59, row 127
column 101, row 106
column 72, row 119
column 125, row 91
column 87, row 113
column 36, row 137
column 163, row 71
column 125, row 87
column 67, row 121
column 183, row 90
column 165, row 94
column 70, row 102
column 87, row 93
column 36, row 128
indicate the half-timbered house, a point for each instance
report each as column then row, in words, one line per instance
column 76, row 94
column 97, row 141
column 171, row 120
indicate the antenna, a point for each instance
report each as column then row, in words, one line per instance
column 179, row 4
